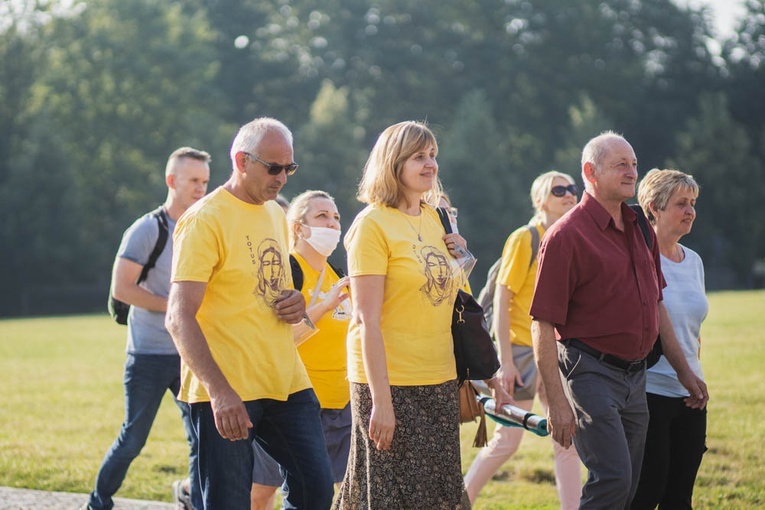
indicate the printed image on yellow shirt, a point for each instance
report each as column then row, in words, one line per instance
column 271, row 277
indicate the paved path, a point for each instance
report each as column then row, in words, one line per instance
column 26, row 499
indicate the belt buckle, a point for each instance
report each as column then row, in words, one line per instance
column 634, row 366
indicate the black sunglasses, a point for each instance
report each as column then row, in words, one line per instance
column 560, row 191
column 274, row 169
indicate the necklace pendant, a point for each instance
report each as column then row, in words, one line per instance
column 419, row 238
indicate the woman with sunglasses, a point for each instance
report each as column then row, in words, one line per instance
column 676, row 437
column 552, row 194
column 314, row 228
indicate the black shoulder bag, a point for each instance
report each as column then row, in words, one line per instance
column 473, row 349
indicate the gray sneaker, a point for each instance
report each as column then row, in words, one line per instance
column 181, row 496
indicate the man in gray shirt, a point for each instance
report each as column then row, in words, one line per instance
column 153, row 365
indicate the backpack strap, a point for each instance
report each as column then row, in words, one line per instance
column 159, row 215
column 534, row 243
column 643, row 224
column 297, row 273
column 338, row 271
column 657, row 351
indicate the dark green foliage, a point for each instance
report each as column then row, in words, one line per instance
column 94, row 96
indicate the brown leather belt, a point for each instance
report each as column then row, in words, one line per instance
column 608, row 359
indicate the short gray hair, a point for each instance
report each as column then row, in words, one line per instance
column 251, row 134
column 658, row 186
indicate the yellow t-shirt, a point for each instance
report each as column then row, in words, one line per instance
column 421, row 283
column 515, row 274
column 240, row 251
column 324, row 353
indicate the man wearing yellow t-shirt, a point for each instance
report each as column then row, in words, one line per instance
column 230, row 312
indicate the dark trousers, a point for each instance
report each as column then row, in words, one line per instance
column 673, row 450
column 612, row 419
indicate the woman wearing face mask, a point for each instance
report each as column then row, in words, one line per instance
column 314, row 234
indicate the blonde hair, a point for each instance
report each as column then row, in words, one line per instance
column 381, row 181
column 541, row 189
column 658, row 186
column 299, row 208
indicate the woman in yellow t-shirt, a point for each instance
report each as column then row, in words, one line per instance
column 552, row 194
column 314, row 226
column 405, row 446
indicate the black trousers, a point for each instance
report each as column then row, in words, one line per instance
column 673, row 449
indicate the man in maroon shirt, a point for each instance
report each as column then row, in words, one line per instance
column 598, row 293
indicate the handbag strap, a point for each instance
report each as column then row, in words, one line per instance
column 444, row 216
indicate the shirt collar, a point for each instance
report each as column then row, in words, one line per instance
column 601, row 216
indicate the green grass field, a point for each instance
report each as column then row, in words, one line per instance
column 63, row 406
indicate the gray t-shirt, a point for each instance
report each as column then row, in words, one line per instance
column 686, row 302
column 146, row 329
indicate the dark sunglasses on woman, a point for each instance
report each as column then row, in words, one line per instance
column 560, row 191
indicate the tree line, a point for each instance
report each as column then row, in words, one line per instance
column 94, row 96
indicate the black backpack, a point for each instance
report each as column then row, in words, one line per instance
column 657, row 351
column 486, row 296
column 119, row 310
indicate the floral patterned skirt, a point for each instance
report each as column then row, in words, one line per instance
column 422, row 468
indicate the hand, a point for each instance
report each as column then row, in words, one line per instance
column 509, row 377
column 456, row 245
column 561, row 423
column 698, row 393
column 290, row 306
column 382, row 423
column 338, row 293
column 501, row 397
column 230, row 415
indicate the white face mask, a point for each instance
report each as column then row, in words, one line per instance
column 324, row 240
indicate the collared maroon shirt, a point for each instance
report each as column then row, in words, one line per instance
column 599, row 284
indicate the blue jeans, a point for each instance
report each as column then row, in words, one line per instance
column 612, row 420
column 147, row 378
column 289, row 431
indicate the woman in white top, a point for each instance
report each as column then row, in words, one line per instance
column 676, row 436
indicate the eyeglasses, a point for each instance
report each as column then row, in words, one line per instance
column 560, row 191
column 274, row 169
